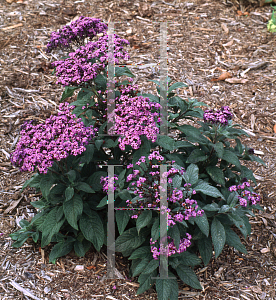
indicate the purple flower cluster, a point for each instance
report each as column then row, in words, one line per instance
column 244, row 195
column 221, row 116
column 104, row 182
column 147, row 189
column 78, row 30
column 171, row 249
column 134, row 118
column 60, row 136
column 78, row 68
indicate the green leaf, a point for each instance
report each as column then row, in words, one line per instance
column 120, row 71
column 146, row 282
column 177, row 85
column 71, row 175
column 95, row 180
column 189, row 259
column 216, row 174
column 68, row 92
column 88, row 154
column 103, row 202
column 155, row 230
column 142, row 265
column 211, row 207
column 73, row 209
column 129, row 239
column 238, row 221
column 205, row 249
column 174, row 233
column 257, row 159
column 232, row 158
column 176, row 181
column 188, row 276
column 46, row 183
column 60, row 249
column 218, row 236
column 202, row 223
column 151, row 266
column 151, row 97
column 81, row 247
column 233, row 240
column 92, row 229
column 196, row 156
column 101, row 82
column 192, row 173
column 50, row 226
column 83, row 186
column 69, row 193
column 140, row 252
column 166, row 142
column 245, row 172
column 183, row 144
column 121, row 179
column 219, row 148
column 122, row 219
column 143, row 220
column 98, row 144
column 206, row 189
column 164, row 288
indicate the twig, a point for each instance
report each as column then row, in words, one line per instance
column 24, row 291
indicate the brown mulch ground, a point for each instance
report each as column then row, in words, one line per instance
column 206, row 39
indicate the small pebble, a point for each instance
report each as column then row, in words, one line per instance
column 79, row 268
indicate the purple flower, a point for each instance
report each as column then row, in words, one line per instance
column 134, row 118
column 221, row 116
column 79, row 68
column 60, row 136
column 77, row 31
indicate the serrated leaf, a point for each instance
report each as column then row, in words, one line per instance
column 143, row 220
column 189, row 259
column 238, row 221
column 216, row 174
column 218, row 236
column 192, row 173
column 205, row 249
column 155, row 230
column 219, row 148
column 72, row 210
column 188, row 276
column 233, row 240
column 196, row 156
column 95, row 180
column 69, row 193
column 92, row 229
column 141, row 266
column 207, row 189
column 231, row 158
column 122, row 219
column 166, row 142
column 83, row 186
column 140, row 252
column 129, row 239
column 202, row 223
column 177, row 85
column 68, row 92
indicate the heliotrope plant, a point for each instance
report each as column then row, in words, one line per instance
column 209, row 190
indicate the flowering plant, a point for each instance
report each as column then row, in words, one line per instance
column 208, row 188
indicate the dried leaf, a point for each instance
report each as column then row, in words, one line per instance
column 256, row 289
column 240, row 13
column 223, row 76
column 274, row 128
column 236, row 80
column 225, row 28
column 265, row 250
column 230, row 43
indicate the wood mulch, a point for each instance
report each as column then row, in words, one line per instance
column 205, row 39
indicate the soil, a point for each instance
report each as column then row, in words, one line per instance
column 207, row 39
